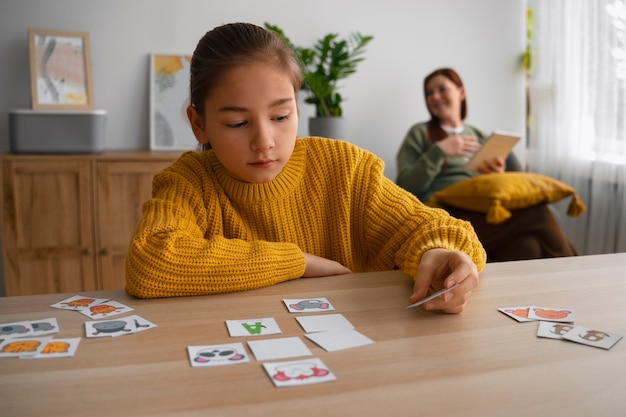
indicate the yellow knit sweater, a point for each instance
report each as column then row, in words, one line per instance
column 204, row 232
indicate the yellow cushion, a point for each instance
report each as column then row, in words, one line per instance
column 496, row 194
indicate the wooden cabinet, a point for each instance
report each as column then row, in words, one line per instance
column 47, row 233
column 68, row 219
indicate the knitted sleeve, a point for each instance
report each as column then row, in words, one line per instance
column 178, row 248
column 399, row 228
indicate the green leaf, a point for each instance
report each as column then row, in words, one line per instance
column 329, row 60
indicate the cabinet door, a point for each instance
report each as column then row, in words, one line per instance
column 122, row 188
column 48, row 227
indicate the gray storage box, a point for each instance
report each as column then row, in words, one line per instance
column 56, row 131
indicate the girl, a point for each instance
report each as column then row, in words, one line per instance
column 257, row 206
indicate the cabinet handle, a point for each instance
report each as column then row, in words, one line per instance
column 104, row 251
column 86, row 251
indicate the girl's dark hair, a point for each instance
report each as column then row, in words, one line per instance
column 435, row 132
column 234, row 44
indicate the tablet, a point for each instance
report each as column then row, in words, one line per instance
column 499, row 144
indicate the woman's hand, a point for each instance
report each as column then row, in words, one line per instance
column 321, row 267
column 495, row 166
column 442, row 268
column 457, row 145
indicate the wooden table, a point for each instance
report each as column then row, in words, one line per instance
column 479, row 363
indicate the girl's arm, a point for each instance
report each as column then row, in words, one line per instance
column 399, row 229
column 179, row 249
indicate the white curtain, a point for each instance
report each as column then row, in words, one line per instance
column 578, row 113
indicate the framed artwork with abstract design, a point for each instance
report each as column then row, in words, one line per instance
column 169, row 98
column 60, row 70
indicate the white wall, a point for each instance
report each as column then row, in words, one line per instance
column 482, row 39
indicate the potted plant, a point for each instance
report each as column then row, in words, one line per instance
column 329, row 61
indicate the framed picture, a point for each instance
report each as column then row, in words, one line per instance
column 60, row 70
column 169, row 98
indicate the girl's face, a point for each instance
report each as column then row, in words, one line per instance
column 251, row 122
column 444, row 98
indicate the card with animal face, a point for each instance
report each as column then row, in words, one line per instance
column 308, row 305
column 105, row 309
column 23, row 346
column 16, row 329
column 119, row 327
column 517, row 313
column 563, row 315
column 217, row 355
column 253, row 327
column 591, row 337
column 78, row 302
column 45, row 326
column 57, row 348
column 300, row 372
column 552, row 330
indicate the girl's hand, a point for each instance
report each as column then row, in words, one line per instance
column 321, row 267
column 457, row 145
column 495, row 166
column 442, row 268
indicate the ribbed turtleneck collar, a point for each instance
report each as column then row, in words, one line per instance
column 251, row 193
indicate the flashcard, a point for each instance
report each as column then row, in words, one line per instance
column 217, row 355
column 22, row 346
column 45, row 326
column 78, row 302
column 286, row 347
column 17, row 329
column 432, row 296
column 591, row 337
column 518, row 313
column 122, row 326
column 137, row 324
column 105, row 309
column 325, row 322
column 551, row 314
column 308, row 305
column 553, row 330
column 301, row 372
column 340, row 339
column 57, row 348
column 252, row 327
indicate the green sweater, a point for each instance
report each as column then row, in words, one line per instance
column 422, row 169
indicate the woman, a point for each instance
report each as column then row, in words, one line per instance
column 432, row 157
